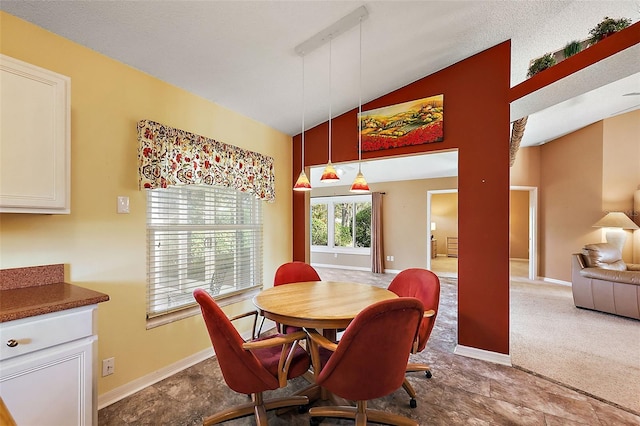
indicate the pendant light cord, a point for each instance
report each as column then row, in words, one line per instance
column 330, row 39
column 360, row 105
column 302, row 114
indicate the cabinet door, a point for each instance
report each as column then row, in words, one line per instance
column 34, row 139
column 52, row 386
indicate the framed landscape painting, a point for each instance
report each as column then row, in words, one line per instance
column 409, row 123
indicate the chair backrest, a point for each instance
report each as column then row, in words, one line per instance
column 371, row 357
column 424, row 285
column 242, row 371
column 295, row 272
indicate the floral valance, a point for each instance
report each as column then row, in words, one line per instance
column 168, row 156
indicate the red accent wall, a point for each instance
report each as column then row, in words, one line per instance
column 476, row 101
column 476, row 106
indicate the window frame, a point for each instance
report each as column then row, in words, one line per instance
column 331, row 202
column 242, row 221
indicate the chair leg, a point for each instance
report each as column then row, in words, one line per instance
column 257, row 406
column 229, row 414
column 291, row 401
column 383, row 417
column 419, row 367
column 261, row 413
column 360, row 413
column 412, row 393
column 407, row 386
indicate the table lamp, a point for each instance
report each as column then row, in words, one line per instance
column 615, row 222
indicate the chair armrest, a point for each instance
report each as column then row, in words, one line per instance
column 429, row 313
column 279, row 340
column 248, row 314
column 317, row 340
column 320, row 340
column 289, row 343
column 626, row 277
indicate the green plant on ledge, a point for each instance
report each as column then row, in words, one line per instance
column 541, row 64
column 572, row 48
column 607, row 27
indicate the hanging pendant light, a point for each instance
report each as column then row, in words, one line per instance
column 329, row 174
column 302, row 184
column 359, row 184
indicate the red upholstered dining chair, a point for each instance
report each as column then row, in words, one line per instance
column 252, row 367
column 289, row 273
column 379, row 339
column 424, row 285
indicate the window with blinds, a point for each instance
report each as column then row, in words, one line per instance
column 201, row 237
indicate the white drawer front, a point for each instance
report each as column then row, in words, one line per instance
column 44, row 331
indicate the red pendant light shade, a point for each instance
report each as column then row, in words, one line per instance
column 329, row 174
column 359, row 184
column 302, row 184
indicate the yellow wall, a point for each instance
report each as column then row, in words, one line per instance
column 106, row 251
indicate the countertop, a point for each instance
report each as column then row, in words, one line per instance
column 30, row 291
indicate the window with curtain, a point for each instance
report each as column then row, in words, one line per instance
column 341, row 224
column 201, row 237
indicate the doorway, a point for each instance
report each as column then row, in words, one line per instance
column 442, row 220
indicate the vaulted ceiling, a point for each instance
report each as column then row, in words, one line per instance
column 240, row 54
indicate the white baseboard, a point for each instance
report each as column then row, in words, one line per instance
column 392, row 271
column 483, row 355
column 351, row 268
column 554, row 281
column 140, row 383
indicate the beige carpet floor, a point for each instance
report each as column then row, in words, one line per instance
column 591, row 351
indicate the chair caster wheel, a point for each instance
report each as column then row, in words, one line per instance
column 428, row 374
column 303, row 408
column 315, row 421
column 413, row 403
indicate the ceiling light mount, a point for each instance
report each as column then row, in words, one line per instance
column 332, row 31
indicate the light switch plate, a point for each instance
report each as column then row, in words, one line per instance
column 123, row 204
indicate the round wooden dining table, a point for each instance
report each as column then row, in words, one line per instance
column 326, row 305
column 318, row 304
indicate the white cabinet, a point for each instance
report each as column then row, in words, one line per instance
column 47, row 368
column 35, row 140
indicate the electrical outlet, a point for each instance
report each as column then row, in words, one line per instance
column 108, row 366
column 391, row 258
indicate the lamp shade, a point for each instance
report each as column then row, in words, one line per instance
column 329, row 174
column 359, row 184
column 615, row 220
column 302, row 184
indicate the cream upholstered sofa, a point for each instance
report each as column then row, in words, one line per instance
column 603, row 282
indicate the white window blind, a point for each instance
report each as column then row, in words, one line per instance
column 201, row 237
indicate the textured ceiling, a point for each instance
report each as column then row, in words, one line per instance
column 240, row 54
